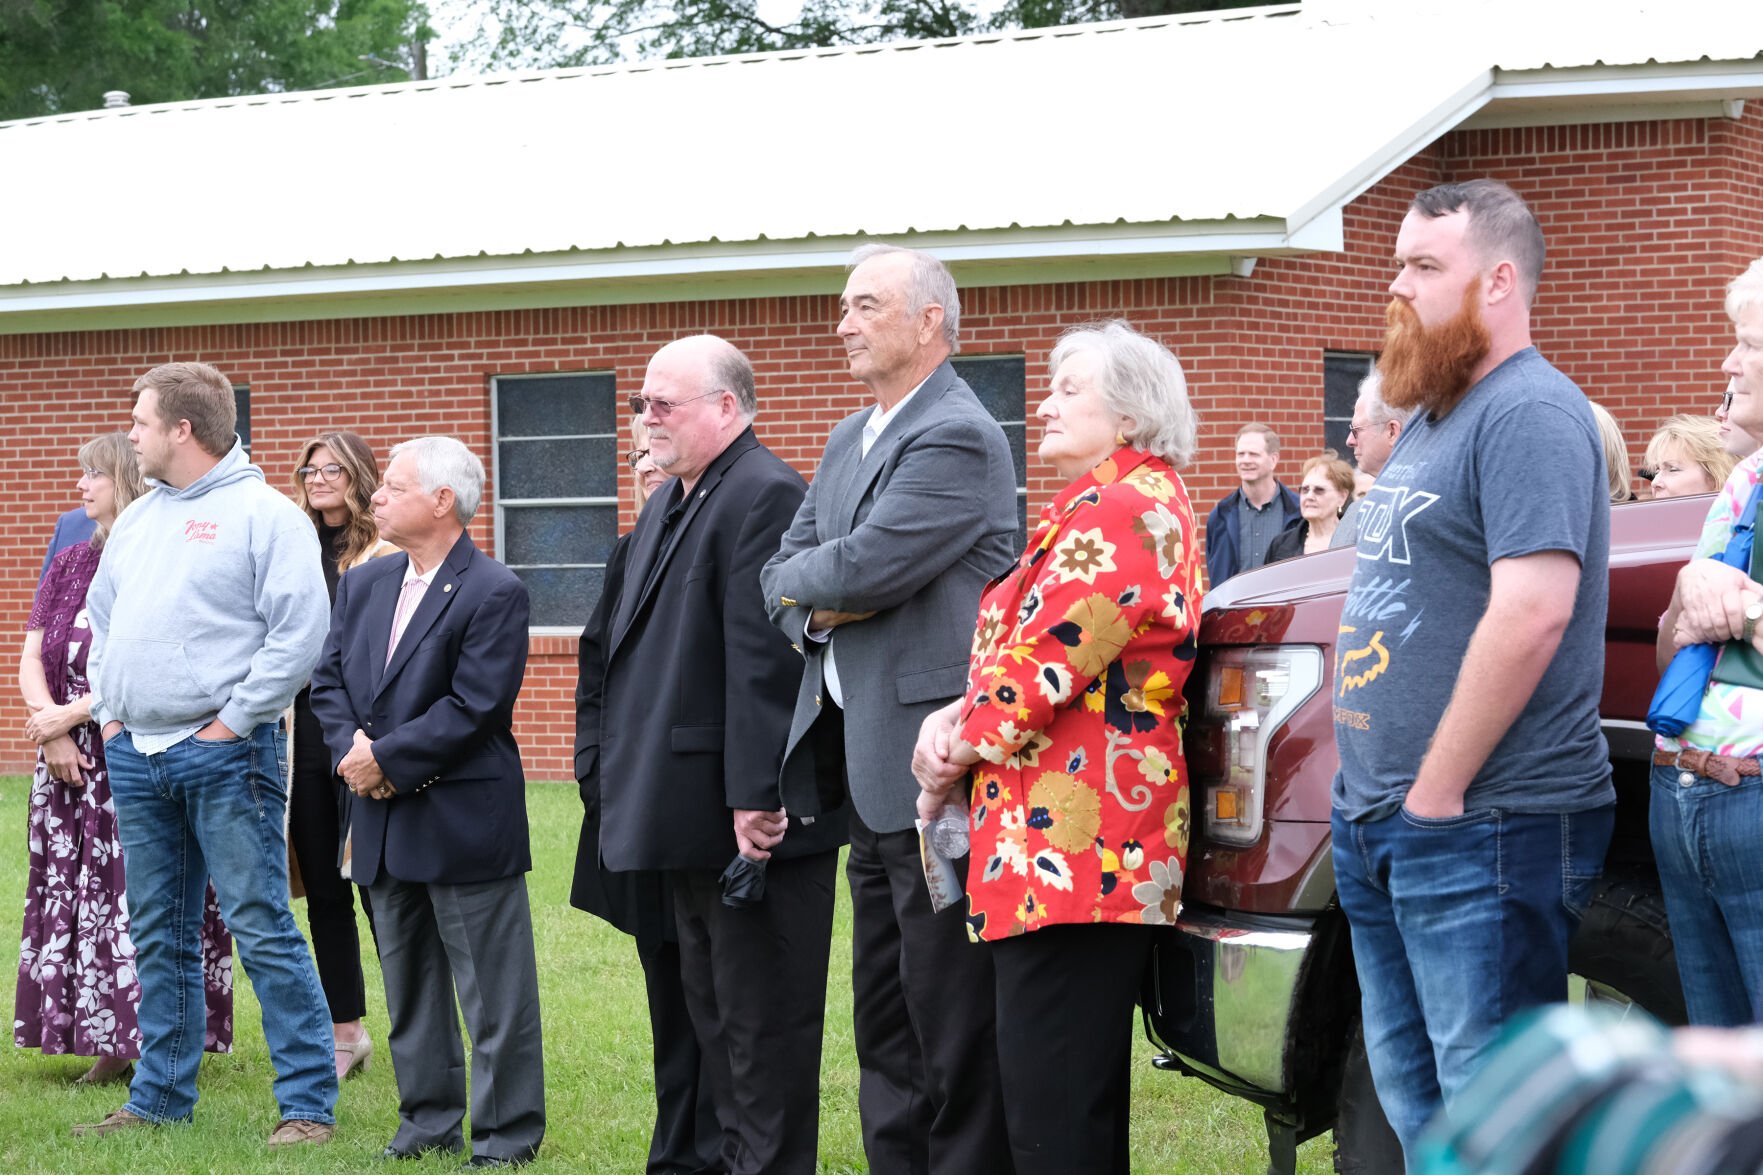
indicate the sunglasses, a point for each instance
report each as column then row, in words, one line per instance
column 663, row 408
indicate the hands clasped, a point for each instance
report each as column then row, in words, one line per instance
column 361, row 771
column 940, row 760
column 1712, row 598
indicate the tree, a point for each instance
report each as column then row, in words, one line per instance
column 61, row 55
column 540, row 34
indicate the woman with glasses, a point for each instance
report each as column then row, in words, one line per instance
column 1323, row 494
column 334, row 484
column 77, row 989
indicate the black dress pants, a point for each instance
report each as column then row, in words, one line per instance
column 1066, row 1024
column 687, row 1138
column 928, row 1092
column 755, row 982
column 315, row 836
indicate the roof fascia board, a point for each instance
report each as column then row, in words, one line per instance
column 684, row 272
column 119, row 315
column 1625, row 93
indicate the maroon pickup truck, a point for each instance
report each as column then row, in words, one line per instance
column 1255, row 992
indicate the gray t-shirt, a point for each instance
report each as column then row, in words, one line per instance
column 1515, row 469
column 1346, row 531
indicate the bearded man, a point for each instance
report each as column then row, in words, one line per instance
column 1473, row 805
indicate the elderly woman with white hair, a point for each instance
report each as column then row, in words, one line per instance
column 1706, row 814
column 1070, row 730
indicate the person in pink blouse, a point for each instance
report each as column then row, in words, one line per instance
column 1070, row 733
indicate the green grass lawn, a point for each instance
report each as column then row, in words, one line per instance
column 599, row 1102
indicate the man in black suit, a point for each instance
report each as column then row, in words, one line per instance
column 682, row 717
column 415, row 691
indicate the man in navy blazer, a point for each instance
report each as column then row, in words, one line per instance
column 415, row 691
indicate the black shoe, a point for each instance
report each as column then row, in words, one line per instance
column 394, row 1151
column 498, row 1161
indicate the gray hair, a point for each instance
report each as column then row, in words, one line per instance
column 1377, row 410
column 1746, row 289
column 445, row 461
column 1142, row 379
column 726, row 368
column 931, row 284
column 1501, row 226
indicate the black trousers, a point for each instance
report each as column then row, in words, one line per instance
column 928, row 1092
column 1066, row 1024
column 755, row 983
column 315, row 837
column 687, row 1138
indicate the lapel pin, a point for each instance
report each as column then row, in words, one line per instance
column 445, row 588
column 701, row 493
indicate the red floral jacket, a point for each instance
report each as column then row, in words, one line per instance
column 1074, row 702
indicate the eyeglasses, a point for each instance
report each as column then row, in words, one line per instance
column 663, row 408
column 635, row 457
column 1354, row 430
column 1726, row 402
column 329, row 472
column 94, row 473
column 1307, row 491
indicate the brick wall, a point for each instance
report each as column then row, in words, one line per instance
column 1646, row 222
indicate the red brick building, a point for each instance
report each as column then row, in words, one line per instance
column 1262, row 262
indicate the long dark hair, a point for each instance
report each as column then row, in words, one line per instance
column 360, row 535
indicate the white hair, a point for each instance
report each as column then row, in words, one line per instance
column 1745, row 290
column 931, row 283
column 445, row 461
column 1140, row 378
column 1377, row 410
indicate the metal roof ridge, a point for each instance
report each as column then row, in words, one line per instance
column 654, row 64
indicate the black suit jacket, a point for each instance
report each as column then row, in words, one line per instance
column 683, row 708
column 439, row 714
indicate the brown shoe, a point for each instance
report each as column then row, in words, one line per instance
column 299, row 1132
column 118, row 1120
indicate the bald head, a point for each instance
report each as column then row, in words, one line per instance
column 697, row 398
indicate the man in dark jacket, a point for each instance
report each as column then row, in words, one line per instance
column 1241, row 528
column 681, row 720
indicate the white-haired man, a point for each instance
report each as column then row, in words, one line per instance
column 415, row 692
column 1372, row 436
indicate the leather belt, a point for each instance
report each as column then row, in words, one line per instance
column 1726, row 770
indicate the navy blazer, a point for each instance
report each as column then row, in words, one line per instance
column 440, row 715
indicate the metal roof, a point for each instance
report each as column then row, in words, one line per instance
column 1195, row 140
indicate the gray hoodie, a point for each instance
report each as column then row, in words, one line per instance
column 209, row 602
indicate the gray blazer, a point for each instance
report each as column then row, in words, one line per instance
column 913, row 532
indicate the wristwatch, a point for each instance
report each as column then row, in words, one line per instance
column 1753, row 613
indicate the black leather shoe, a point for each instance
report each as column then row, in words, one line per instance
column 417, row 1152
column 498, row 1161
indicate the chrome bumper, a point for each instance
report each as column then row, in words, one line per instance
column 1227, row 992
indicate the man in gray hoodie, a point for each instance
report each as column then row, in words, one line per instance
column 208, row 613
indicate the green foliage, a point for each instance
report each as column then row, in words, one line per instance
column 61, row 55
column 540, row 34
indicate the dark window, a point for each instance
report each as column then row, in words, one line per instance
column 1001, row 383
column 242, row 402
column 1341, row 373
column 557, row 467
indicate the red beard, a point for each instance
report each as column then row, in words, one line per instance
column 1432, row 368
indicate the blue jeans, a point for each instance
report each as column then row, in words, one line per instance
column 1458, row 923
column 1708, row 841
column 205, row 808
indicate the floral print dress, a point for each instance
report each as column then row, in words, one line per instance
column 1074, row 702
column 77, row 988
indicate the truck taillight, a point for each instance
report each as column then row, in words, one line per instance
column 1250, row 692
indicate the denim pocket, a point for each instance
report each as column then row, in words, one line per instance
column 238, row 740
column 1478, row 816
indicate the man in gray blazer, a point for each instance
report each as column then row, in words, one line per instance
column 911, row 512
